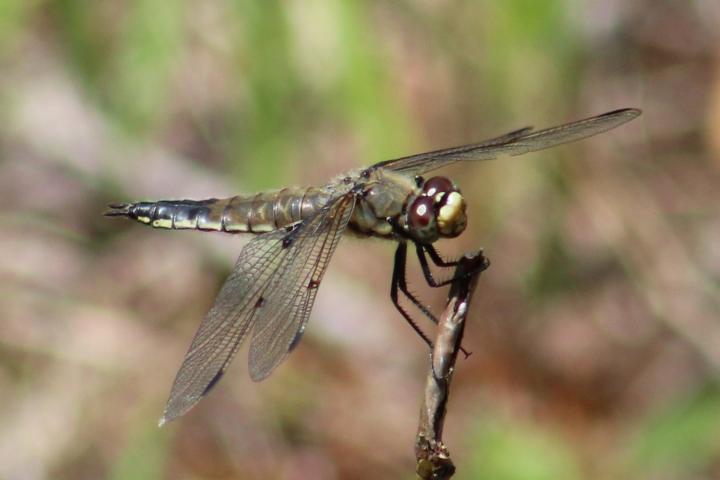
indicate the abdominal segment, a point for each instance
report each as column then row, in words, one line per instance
column 258, row 213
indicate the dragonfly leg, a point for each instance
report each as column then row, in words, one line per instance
column 399, row 282
column 437, row 260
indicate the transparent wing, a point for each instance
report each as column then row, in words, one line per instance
column 267, row 291
column 514, row 143
column 291, row 293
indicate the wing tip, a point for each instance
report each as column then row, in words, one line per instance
column 628, row 113
column 171, row 414
column 173, row 411
column 259, row 373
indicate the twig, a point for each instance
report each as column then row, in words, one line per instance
column 433, row 458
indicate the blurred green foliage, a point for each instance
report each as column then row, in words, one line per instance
column 126, row 58
column 531, row 57
column 681, row 440
column 270, row 122
column 145, row 452
column 508, row 450
column 124, row 55
column 284, row 107
column 14, row 15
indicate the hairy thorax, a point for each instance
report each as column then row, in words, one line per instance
column 385, row 195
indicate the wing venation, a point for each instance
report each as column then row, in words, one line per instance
column 514, row 143
column 265, row 294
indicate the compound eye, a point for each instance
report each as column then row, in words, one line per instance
column 421, row 213
column 437, row 185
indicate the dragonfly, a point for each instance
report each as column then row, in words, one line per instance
column 270, row 292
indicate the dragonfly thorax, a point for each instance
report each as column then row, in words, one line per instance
column 437, row 212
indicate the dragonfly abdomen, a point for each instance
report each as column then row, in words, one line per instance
column 258, row 213
column 269, row 211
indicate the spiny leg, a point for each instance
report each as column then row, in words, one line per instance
column 440, row 262
column 420, row 249
column 437, row 260
column 399, row 281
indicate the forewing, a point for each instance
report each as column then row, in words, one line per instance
column 514, row 143
column 290, row 297
column 261, row 274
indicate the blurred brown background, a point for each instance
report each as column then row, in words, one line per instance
column 595, row 333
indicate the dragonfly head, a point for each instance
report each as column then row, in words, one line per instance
column 438, row 211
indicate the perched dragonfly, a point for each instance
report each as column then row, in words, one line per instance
column 271, row 290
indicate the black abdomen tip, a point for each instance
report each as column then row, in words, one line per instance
column 118, row 210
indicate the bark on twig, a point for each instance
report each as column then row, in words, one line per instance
column 433, row 458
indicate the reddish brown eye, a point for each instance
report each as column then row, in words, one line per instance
column 437, row 185
column 421, row 212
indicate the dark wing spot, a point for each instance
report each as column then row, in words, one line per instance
column 295, row 340
column 292, row 232
column 212, row 383
column 313, row 284
column 260, row 302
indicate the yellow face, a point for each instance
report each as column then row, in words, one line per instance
column 451, row 218
column 438, row 211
